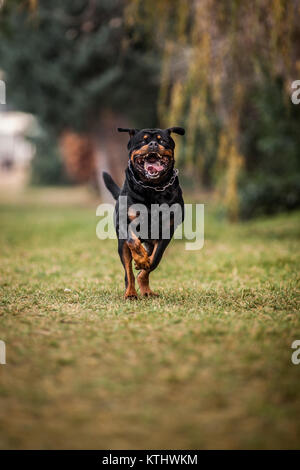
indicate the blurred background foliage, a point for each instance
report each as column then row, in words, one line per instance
column 221, row 69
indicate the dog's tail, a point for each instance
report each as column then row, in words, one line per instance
column 112, row 187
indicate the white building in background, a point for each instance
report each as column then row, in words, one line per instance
column 15, row 150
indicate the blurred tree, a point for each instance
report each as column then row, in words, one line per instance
column 270, row 143
column 79, row 68
column 215, row 55
column 226, row 72
column 46, row 166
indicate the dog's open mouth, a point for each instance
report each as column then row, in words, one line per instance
column 153, row 164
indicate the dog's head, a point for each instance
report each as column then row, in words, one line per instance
column 151, row 151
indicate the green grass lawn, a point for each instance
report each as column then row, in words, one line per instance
column 205, row 365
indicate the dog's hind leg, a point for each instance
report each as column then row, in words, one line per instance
column 126, row 258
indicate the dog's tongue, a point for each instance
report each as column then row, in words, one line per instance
column 154, row 167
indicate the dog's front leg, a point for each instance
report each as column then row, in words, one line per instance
column 143, row 280
column 154, row 258
column 126, row 258
column 143, row 276
column 138, row 252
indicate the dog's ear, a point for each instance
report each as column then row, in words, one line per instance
column 130, row 131
column 177, row 130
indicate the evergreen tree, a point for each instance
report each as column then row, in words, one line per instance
column 69, row 62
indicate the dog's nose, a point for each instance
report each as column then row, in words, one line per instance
column 153, row 145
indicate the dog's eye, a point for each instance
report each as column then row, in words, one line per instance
column 159, row 137
column 145, row 137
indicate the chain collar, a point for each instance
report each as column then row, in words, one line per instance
column 175, row 173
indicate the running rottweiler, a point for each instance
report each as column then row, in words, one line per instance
column 150, row 180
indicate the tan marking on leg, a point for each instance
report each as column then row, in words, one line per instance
column 143, row 277
column 143, row 280
column 139, row 254
column 130, row 290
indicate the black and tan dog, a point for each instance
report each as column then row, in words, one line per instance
column 150, row 179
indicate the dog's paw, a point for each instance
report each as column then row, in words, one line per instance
column 131, row 295
column 149, row 293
